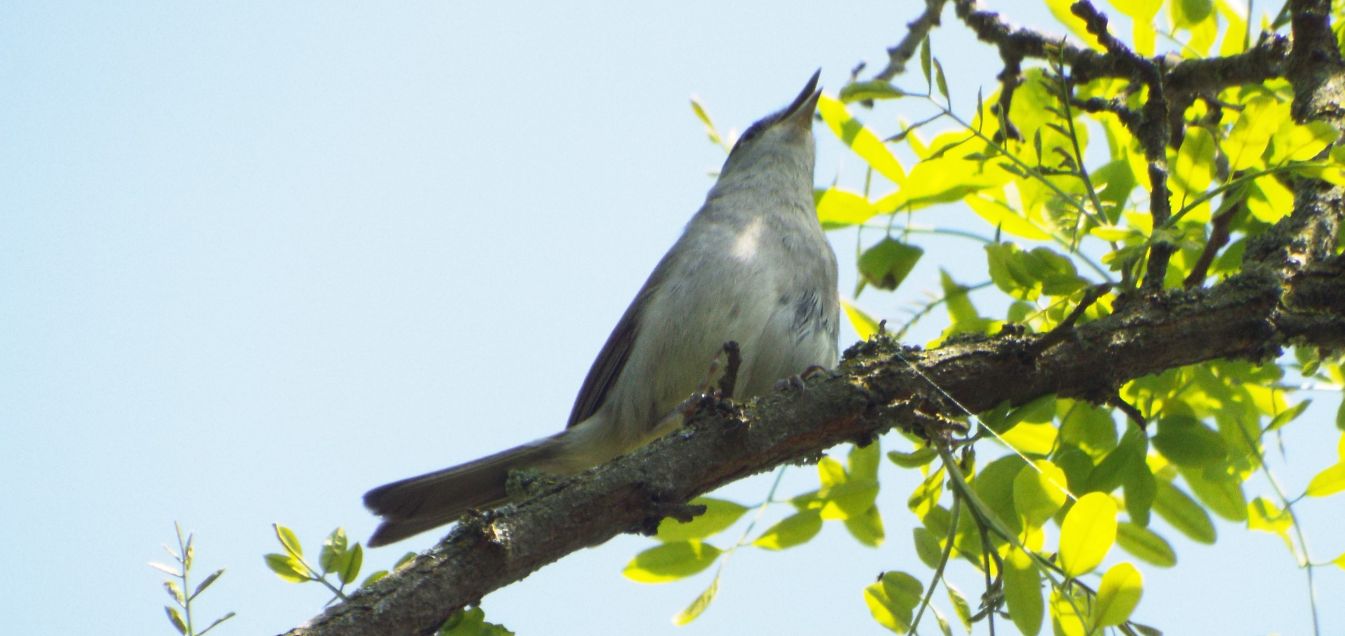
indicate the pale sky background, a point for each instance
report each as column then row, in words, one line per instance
column 256, row 258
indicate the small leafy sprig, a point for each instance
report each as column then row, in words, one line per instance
column 341, row 560
column 177, row 586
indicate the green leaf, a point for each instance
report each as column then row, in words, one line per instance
column 870, row 90
column 960, row 605
column 1087, row 534
column 1218, row 490
column 939, row 80
column 350, row 567
column 915, row 459
column 710, row 129
column 471, row 621
column 860, row 139
column 1301, row 142
column 1038, row 493
column 211, row 578
column 1328, row 482
column 959, row 304
column 892, row 600
column 287, row 567
column 1189, row 13
column 1180, row 510
column 333, row 553
column 839, row 208
column 698, row 606
column 719, row 514
column 994, row 484
column 176, row 619
column 867, row 528
column 288, row 540
column 1187, row 442
column 1002, row 217
column 865, row 326
column 793, row 530
column 1194, row 168
column 927, row 546
column 175, row 592
column 1288, row 415
column 1065, row 618
column 1145, row 544
column 1022, row 591
column 887, row 263
column 1247, row 141
column 671, row 561
column 1118, row 595
column 925, row 59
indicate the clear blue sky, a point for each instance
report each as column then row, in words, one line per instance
column 256, row 258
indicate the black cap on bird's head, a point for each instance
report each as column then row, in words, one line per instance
column 799, row 112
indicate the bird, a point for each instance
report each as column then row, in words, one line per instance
column 752, row 266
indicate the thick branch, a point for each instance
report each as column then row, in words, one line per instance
column 875, row 389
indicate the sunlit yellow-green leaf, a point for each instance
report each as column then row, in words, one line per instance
column 926, row 495
column 287, row 567
column 1301, row 142
column 1340, row 561
column 671, row 561
column 892, row 600
column 1076, row 25
column 1032, row 439
column 864, row 325
column 837, row 207
column 1180, row 510
column 1117, row 595
column 1065, row 614
column 1039, row 491
column 1269, row 200
column 719, row 514
column 1327, row 482
column 1000, row 216
column 1087, row 534
column 943, row 180
column 1145, row 544
column 1194, row 168
column 793, row 530
column 914, row 459
column 698, row 606
column 1235, row 32
column 1251, row 134
column 1022, row 591
column 860, row 139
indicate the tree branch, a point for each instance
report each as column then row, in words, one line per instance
column 875, row 389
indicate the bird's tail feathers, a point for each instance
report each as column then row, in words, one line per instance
column 417, row 504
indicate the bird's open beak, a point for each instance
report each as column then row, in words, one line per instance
column 800, row 111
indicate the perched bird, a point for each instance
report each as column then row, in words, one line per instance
column 752, row 267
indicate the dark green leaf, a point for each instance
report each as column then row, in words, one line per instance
column 350, row 568
column 870, row 90
column 887, row 263
column 1187, row 442
column 927, row 546
column 1145, row 544
column 914, row 459
column 1180, row 510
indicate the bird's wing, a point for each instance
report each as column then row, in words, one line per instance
column 612, row 359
